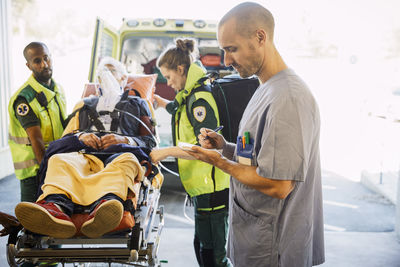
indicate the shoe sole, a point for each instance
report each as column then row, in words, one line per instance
column 38, row 220
column 108, row 216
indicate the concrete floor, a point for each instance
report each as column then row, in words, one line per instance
column 359, row 224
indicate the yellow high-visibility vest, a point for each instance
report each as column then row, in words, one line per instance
column 197, row 177
column 51, row 124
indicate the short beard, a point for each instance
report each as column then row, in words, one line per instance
column 250, row 71
column 245, row 75
column 255, row 66
column 44, row 78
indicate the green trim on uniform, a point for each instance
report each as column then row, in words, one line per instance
column 211, row 229
column 29, row 189
column 210, row 120
column 51, row 119
column 197, row 177
column 29, row 119
column 171, row 107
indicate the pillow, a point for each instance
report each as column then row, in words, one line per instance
column 90, row 89
column 144, row 84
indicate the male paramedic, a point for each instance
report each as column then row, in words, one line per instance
column 37, row 113
column 275, row 197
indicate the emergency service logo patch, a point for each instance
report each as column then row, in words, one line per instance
column 199, row 113
column 22, row 109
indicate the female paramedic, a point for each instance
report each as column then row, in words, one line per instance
column 192, row 109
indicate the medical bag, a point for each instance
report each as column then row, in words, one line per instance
column 232, row 94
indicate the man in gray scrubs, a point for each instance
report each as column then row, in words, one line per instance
column 275, row 196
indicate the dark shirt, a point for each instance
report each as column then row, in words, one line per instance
column 209, row 121
column 24, row 113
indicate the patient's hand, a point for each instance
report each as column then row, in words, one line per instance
column 112, row 139
column 90, row 139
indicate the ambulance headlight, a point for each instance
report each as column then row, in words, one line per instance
column 132, row 23
column 199, row 23
column 159, row 22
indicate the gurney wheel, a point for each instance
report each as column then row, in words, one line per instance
column 134, row 255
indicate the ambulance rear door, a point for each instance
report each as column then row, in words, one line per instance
column 106, row 42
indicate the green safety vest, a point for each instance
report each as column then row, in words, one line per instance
column 51, row 125
column 197, row 177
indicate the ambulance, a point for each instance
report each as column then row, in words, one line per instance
column 139, row 42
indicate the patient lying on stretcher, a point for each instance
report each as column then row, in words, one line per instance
column 99, row 180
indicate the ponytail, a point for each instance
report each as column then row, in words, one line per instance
column 184, row 52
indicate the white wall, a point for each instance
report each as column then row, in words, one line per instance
column 6, row 167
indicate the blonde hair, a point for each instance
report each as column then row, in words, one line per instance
column 184, row 52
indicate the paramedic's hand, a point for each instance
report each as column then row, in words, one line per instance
column 210, row 156
column 210, row 139
column 112, row 139
column 90, row 139
column 160, row 102
column 157, row 155
column 8, row 222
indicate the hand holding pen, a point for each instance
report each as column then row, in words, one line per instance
column 211, row 139
column 216, row 130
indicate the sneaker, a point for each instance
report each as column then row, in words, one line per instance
column 45, row 218
column 103, row 219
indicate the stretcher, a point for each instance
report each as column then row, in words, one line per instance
column 134, row 242
column 135, row 246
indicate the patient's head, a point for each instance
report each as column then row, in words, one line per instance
column 116, row 68
column 112, row 77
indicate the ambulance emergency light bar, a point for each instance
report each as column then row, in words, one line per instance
column 162, row 22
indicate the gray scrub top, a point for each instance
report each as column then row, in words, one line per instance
column 283, row 119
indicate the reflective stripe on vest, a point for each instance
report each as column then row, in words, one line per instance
column 19, row 140
column 196, row 176
column 24, row 159
column 25, row 164
column 23, row 140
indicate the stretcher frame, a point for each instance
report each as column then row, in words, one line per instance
column 137, row 246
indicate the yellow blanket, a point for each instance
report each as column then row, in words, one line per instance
column 84, row 179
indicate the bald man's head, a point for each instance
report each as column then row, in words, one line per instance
column 33, row 45
column 249, row 17
column 38, row 60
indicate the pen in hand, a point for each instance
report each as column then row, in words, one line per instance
column 219, row 128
